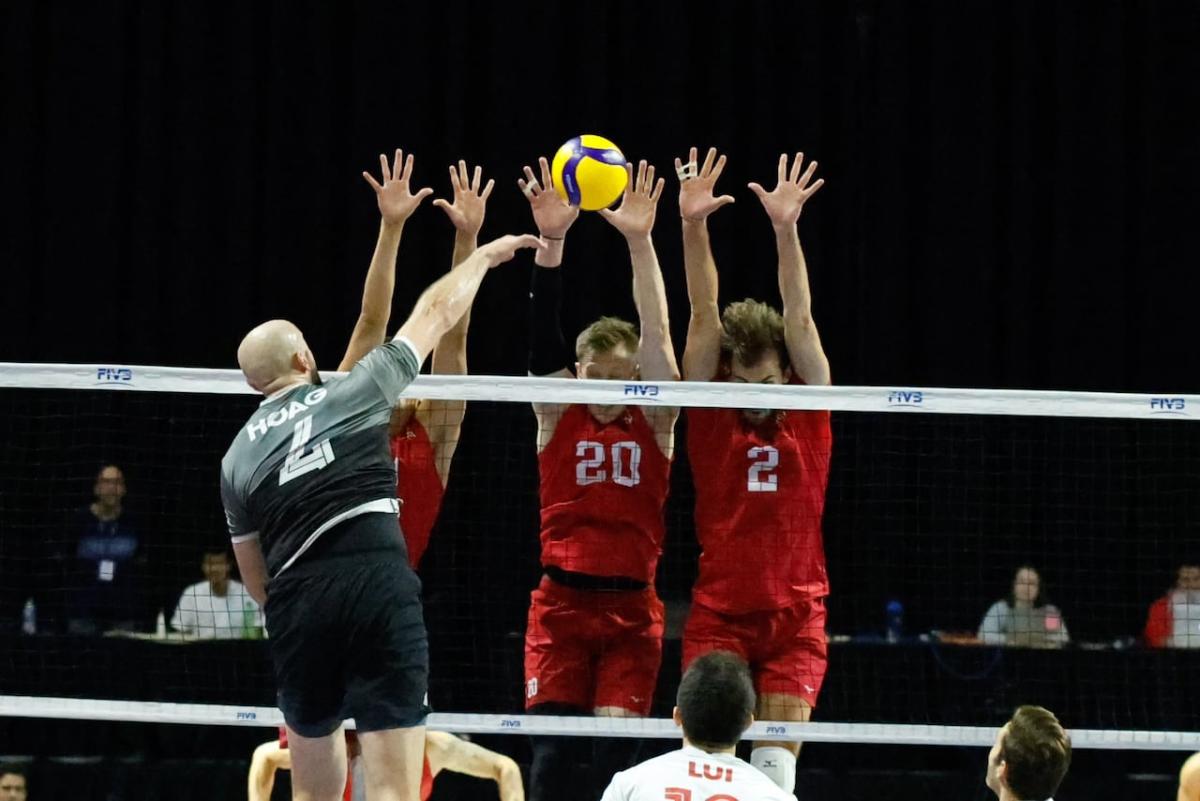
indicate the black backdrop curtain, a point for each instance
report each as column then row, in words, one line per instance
column 1010, row 199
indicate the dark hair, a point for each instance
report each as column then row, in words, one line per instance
column 1039, row 600
column 214, row 550
column 1036, row 752
column 716, row 700
column 750, row 330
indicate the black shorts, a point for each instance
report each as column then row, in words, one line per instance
column 347, row 634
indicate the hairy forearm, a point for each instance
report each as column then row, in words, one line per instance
column 650, row 297
column 699, row 265
column 443, row 304
column 450, row 354
column 793, row 277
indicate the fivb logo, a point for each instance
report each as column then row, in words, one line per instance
column 246, row 716
column 1168, row 406
column 641, row 390
column 113, row 375
column 905, row 397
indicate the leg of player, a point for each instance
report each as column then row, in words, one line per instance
column 611, row 755
column 318, row 766
column 555, row 767
column 392, row 762
column 777, row 759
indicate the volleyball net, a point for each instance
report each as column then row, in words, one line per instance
column 985, row 549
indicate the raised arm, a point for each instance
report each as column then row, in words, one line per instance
column 443, row 418
column 396, row 205
column 444, row 303
column 635, row 220
column 783, row 206
column 548, row 351
column 447, row 752
column 702, row 353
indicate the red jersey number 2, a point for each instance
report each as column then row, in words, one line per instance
column 761, row 475
column 620, row 463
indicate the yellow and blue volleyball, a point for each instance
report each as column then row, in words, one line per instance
column 589, row 172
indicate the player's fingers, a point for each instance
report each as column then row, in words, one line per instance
column 649, row 178
column 808, row 174
column 477, row 178
column 719, row 167
column 384, row 168
column 781, row 174
column 371, row 180
column 454, row 183
column 444, row 205
column 547, row 179
column 487, row 190
column 397, row 161
column 658, row 189
column 709, row 158
column 641, row 177
column 794, row 175
column 423, row 193
column 817, row 184
column 757, row 189
column 691, row 155
column 408, row 167
column 463, row 175
column 724, row 200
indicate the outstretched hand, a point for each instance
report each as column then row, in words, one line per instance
column 635, row 217
column 552, row 215
column 503, row 249
column 792, row 190
column 696, row 199
column 470, row 201
column 394, row 195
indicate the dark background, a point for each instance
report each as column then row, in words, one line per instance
column 1011, row 188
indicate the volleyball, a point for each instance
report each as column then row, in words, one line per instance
column 589, row 172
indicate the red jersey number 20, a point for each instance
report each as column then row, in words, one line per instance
column 619, row 463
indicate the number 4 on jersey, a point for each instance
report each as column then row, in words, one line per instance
column 298, row 463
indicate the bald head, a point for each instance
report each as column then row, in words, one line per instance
column 274, row 355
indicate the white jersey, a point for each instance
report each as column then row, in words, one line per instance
column 690, row 774
column 204, row 614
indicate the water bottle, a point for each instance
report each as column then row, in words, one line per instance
column 29, row 617
column 250, row 630
column 894, row 615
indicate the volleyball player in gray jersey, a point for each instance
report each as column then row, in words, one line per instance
column 309, row 492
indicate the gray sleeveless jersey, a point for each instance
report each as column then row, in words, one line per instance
column 313, row 456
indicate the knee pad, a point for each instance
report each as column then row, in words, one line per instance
column 779, row 764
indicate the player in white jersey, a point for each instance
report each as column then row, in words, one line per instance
column 714, row 707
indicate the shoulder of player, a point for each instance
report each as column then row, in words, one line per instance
column 759, row 783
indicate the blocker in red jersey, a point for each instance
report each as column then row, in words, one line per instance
column 593, row 643
column 760, row 475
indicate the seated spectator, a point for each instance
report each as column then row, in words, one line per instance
column 105, row 565
column 1024, row 618
column 12, row 785
column 1174, row 619
column 218, row 607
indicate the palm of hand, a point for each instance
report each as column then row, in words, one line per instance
column 396, row 202
column 551, row 215
column 696, row 200
column 784, row 204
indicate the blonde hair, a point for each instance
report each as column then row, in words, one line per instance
column 604, row 335
column 750, row 330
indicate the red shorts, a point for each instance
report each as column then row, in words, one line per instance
column 591, row 649
column 785, row 648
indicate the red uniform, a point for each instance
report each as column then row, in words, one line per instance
column 348, row 793
column 760, row 494
column 418, row 486
column 603, row 487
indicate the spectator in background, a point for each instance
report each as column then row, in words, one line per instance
column 106, row 566
column 1174, row 619
column 12, row 785
column 218, row 607
column 1024, row 618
